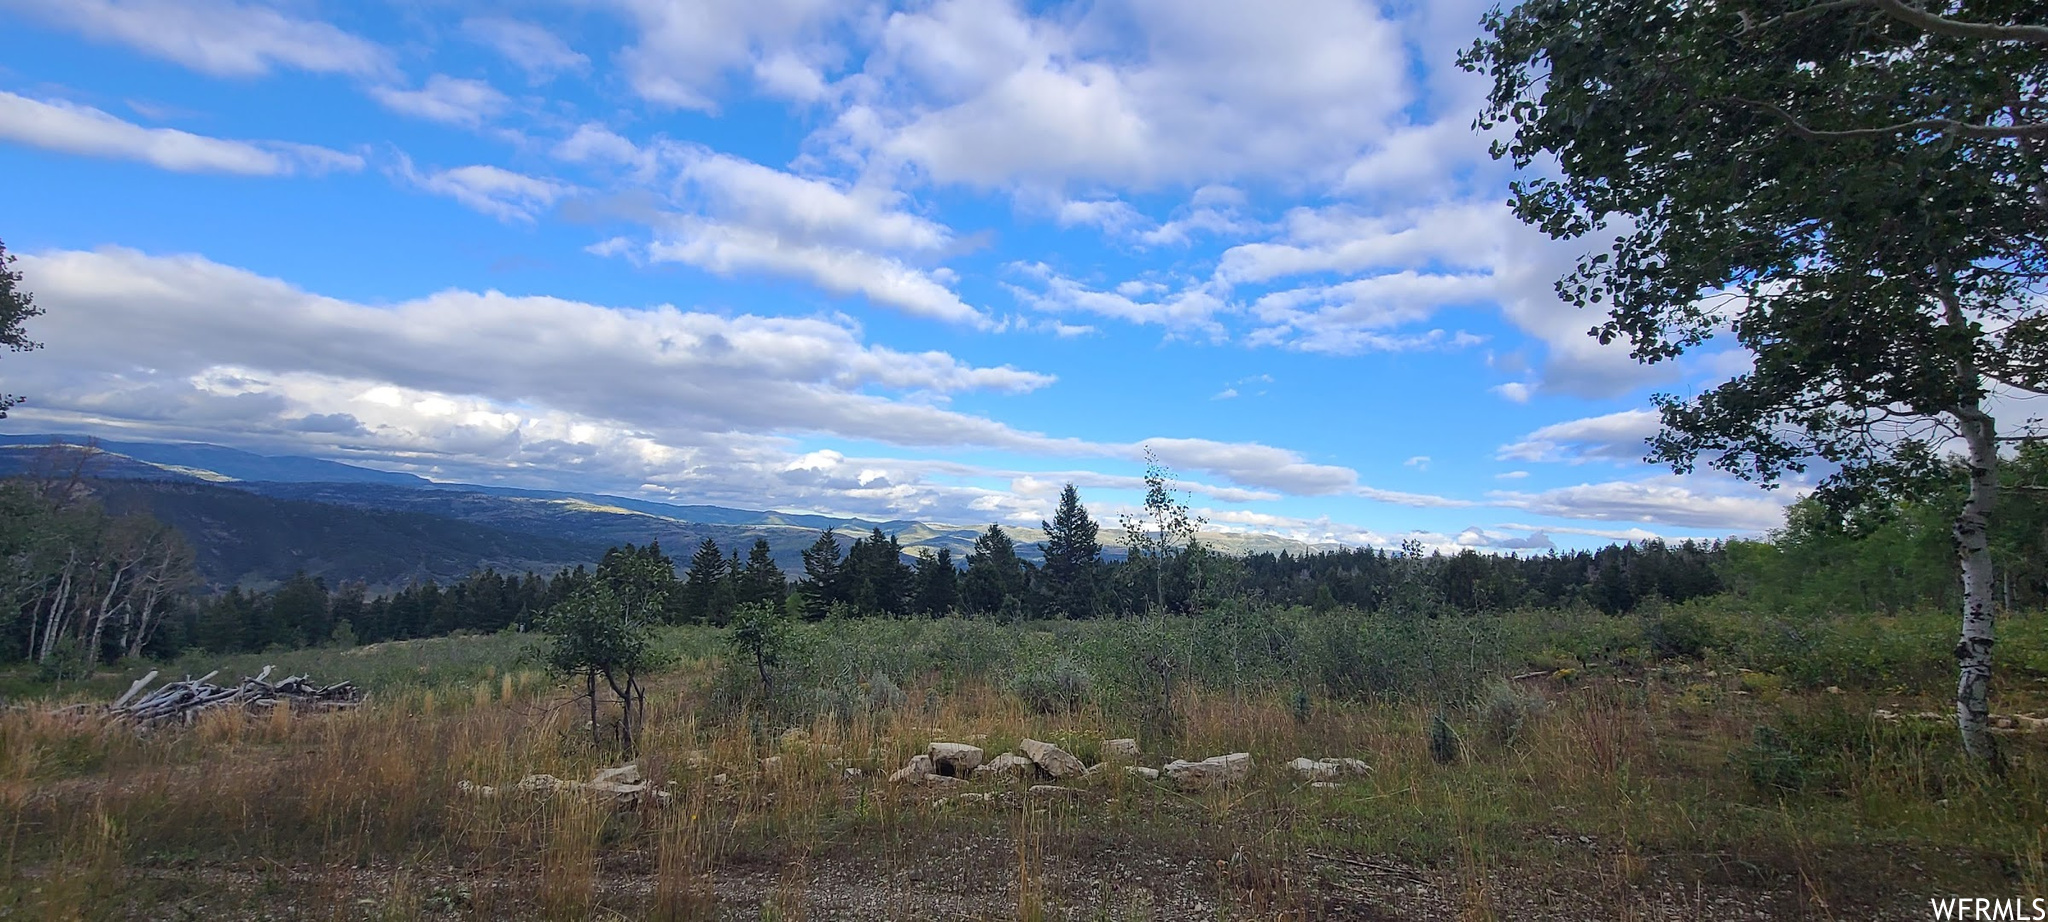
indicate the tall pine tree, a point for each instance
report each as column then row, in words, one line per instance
column 1072, row 557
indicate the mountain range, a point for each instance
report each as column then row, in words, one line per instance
column 257, row 519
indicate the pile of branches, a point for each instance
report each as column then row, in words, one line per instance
column 184, row 700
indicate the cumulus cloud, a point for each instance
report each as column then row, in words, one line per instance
column 1617, row 437
column 1134, row 93
column 445, row 99
column 75, row 129
column 687, row 49
column 218, row 37
column 1191, row 310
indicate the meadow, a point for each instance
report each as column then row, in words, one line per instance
column 1697, row 761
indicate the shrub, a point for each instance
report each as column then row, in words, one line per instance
column 1058, row 686
column 1677, row 634
column 1505, row 711
column 1443, row 741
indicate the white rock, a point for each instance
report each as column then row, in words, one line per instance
column 1325, row 785
column 771, row 765
column 545, row 784
column 1125, row 749
column 1140, row 771
column 1054, row 790
column 920, row 766
column 1312, row 770
column 476, row 790
column 628, row 773
column 954, row 760
column 1214, row 771
column 1057, row 762
column 1008, row 766
column 1349, row 766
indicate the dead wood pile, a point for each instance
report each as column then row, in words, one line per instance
column 184, row 700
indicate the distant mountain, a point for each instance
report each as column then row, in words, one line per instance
column 200, row 461
column 255, row 541
column 257, row 519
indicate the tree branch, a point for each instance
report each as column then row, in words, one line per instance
column 1933, row 23
column 1943, row 125
column 1956, row 28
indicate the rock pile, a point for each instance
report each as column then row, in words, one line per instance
column 1319, row 770
column 622, row 783
column 1212, row 772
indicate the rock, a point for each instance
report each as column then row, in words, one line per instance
column 476, row 790
column 1834, row 689
column 1312, row 770
column 1140, row 771
column 920, row 766
column 855, row 774
column 1214, row 771
column 1008, row 766
column 954, row 760
column 545, row 784
column 1324, row 785
column 795, row 736
column 771, row 765
column 971, row 797
column 1056, row 762
column 628, row 773
column 1054, row 790
column 721, row 779
column 942, row 781
column 1124, row 750
column 1350, row 766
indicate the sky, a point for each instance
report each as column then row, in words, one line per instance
column 926, row 261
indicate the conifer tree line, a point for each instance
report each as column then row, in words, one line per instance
column 78, row 579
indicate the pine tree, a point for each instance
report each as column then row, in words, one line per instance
column 994, row 574
column 704, row 587
column 761, row 581
column 938, row 583
column 1072, row 557
column 821, row 587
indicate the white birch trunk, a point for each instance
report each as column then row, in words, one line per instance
column 1973, row 547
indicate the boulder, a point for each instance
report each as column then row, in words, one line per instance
column 1215, row 771
column 1120, row 750
column 1350, row 766
column 1056, row 762
column 1008, row 767
column 954, row 760
column 1312, row 770
column 920, row 766
column 628, row 773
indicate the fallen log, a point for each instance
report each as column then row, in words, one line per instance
column 184, row 699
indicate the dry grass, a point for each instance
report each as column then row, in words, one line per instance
column 1620, row 798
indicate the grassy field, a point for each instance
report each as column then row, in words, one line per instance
column 1692, row 763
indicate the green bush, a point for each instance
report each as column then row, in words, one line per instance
column 1061, row 685
column 1677, row 634
column 1506, row 711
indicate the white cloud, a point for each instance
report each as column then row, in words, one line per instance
column 218, row 37
column 687, row 48
column 1134, row 93
column 810, row 210
column 1192, row 309
column 1664, row 500
column 1419, row 462
column 1228, row 393
column 1476, row 537
column 1514, row 391
column 75, row 129
column 495, row 191
column 542, row 54
column 445, row 99
column 726, row 248
column 1617, row 437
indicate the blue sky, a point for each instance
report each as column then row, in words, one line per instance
column 925, row 261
